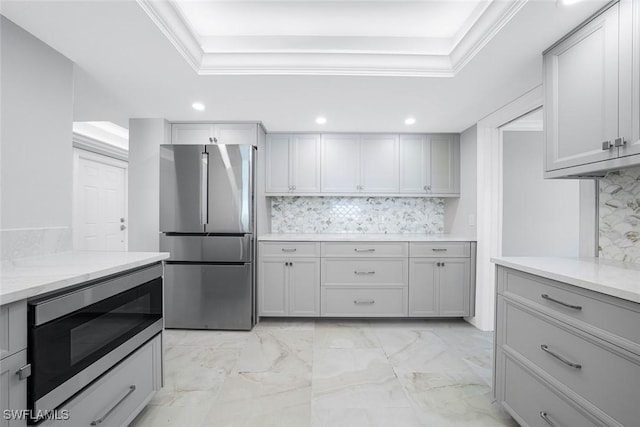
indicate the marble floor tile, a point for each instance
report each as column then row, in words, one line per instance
column 170, row 416
column 365, row 417
column 216, row 339
column 344, row 335
column 190, row 368
column 277, row 351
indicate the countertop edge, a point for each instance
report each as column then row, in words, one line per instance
column 275, row 237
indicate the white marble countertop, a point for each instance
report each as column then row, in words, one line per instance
column 613, row 278
column 28, row 277
column 361, row 237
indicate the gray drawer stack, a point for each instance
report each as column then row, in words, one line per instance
column 565, row 356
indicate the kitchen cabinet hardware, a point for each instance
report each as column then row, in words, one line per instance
column 439, row 249
column 204, row 190
column 213, row 140
column 363, row 272
column 607, row 145
column 121, row 219
column 364, row 301
column 123, row 227
column 364, row 250
column 547, row 297
column 24, row 372
column 619, row 142
column 289, row 249
column 545, row 348
column 132, row 388
column 427, row 188
column 546, row 419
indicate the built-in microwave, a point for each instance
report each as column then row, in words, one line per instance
column 75, row 337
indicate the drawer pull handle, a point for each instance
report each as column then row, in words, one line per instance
column 547, row 297
column 545, row 348
column 546, row 419
column 364, row 250
column 364, row 301
column 364, row 272
column 439, row 249
column 132, row 388
column 289, row 250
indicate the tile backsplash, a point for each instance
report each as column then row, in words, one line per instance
column 26, row 242
column 357, row 215
column 619, row 215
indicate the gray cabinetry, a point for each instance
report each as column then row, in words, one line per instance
column 578, row 346
column 293, row 163
column 13, row 355
column 217, row 133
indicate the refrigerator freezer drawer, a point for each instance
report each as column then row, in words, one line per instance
column 194, row 248
column 199, row 296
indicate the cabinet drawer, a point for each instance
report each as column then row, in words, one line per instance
column 607, row 313
column 365, row 249
column 440, row 249
column 13, row 328
column 365, row 271
column 364, row 302
column 125, row 389
column 290, row 249
column 528, row 398
column 601, row 374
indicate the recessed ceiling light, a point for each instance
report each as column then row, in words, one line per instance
column 409, row 121
column 321, row 120
column 569, row 2
column 198, row 106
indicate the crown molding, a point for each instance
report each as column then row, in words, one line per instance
column 99, row 147
column 355, row 62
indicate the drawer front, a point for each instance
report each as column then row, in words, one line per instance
column 13, row 328
column 531, row 400
column 289, row 249
column 365, row 249
column 364, row 302
column 125, row 389
column 602, row 377
column 440, row 249
column 620, row 320
column 365, row 271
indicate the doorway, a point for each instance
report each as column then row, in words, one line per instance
column 100, row 202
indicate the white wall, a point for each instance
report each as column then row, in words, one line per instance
column 458, row 210
column 540, row 217
column 145, row 137
column 37, row 116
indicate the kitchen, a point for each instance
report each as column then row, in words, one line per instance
column 142, row 75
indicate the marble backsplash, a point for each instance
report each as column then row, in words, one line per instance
column 25, row 242
column 619, row 215
column 357, row 215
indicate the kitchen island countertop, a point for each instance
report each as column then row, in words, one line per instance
column 614, row 278
column 29, row 277
column 361, row 237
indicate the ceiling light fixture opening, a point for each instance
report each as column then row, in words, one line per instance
column 321, row 120
column 409, row 121
column 198, row 106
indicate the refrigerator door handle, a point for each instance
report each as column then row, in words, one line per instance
column 204, row 188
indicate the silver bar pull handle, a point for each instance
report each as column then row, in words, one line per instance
column 132, row 388
column 363, row 272
column 575, row 307
column 364, row 250
column 439, row 249
column 289, row 249
column 545, row 348
column 204, row 190
column 364, row 301
column 546, row 419
column 24, row 372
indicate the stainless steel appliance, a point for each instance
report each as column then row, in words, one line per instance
column 207, row 223
column 76, row 336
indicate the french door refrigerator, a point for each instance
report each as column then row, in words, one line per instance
column 207, row 225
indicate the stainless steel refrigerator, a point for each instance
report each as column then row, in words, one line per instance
column 207, row 224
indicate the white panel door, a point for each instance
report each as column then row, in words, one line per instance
column 340, row 163
column 581, row 94
column 236, row 133
column 414, row 163
column 453, row 287
column 304, row 287
column 443, row 169
column 305, row 163
column 630, row 77
column 379, row 163
column 100, row 203
column 423, row 289
column 272, row 286
column 192, row 133
column 278, row 163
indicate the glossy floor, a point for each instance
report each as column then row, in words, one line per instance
column 328, row 374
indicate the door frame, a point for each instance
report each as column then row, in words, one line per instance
column 78, row 154
column 490, row 203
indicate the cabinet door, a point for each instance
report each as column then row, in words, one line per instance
column 581, row 94
column 630, row 77
column 236, row 133
column 13, row 390
column 444, row 165
column 414, row 163
column 273, row 287
column 340, row 163
column 305, row 163
column 192, row 133
column 423, row 290
column 453, row 287
column 277, row 169
column 304, row 287
column 379, row 163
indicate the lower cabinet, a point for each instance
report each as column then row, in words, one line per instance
column 289, row 287
column 13, row 390
column 439, row 287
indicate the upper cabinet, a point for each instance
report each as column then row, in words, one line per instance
column 340, row 163
column 293, row 163
column 214, row 133
column 592, row 93
column 429, row 164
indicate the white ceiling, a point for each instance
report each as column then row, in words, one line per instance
column 127, row 67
